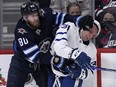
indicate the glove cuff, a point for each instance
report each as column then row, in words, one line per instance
column 74, row 54
column 83, row 74
column 57, row 61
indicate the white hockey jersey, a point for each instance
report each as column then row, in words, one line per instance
column 68, row 38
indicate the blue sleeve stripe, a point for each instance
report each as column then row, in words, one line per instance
column 57, row 18
column 60, row 19
column 61, row 33
column 15, row 47
column 28, row 51
column 34, row 56
column 61, row 39
column 77, row 21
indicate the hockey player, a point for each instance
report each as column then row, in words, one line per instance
column 74, row 54
column 33, row 37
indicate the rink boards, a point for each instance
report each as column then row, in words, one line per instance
column 105, row 58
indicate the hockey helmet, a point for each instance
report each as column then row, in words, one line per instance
column 98, row 25
column 28, row 8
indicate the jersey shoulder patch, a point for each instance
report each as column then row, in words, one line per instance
column 22, row 31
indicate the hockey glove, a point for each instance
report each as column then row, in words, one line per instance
column 81, row 59
column 84, row 61
column 86, row 22
column 61, row 63
column 75, row 71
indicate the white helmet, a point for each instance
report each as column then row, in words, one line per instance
column 98, row 26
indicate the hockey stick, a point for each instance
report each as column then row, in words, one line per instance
column 103, row 69
column 99, row 68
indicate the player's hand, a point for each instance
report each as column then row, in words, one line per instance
column 57, row 61
column 75, row 71
column 61, row 63
column 86, row 22
column 81, row 59
column 84, row 61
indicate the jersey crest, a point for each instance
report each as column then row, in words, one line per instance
column 44, row 45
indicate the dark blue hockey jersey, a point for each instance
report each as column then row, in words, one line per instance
column 33, row 45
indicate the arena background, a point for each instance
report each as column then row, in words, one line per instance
column 9, row 15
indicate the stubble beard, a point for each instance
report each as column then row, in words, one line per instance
column 34, row 24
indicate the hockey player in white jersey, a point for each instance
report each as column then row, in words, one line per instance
column 74, row 53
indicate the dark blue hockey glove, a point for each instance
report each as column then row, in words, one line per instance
column 81, row 59
column 84, row 61
column 61, row 63
column 58, row 61
column 75, row 71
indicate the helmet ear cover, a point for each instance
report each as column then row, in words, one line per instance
column 28, row 8
column 97, row 24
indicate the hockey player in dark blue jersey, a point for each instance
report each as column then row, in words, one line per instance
column 33, row 37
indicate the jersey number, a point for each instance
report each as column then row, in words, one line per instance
column 23, row 41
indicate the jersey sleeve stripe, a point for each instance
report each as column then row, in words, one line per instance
column 57, row 17
column 61, row 39
column 35, row 47
column 62, row 19
column 61, row 33
column 34, row 56
column 77, row 21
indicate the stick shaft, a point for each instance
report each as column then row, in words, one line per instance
column 104, row 69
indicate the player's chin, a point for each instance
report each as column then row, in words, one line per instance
column 85, row 39
column 36, row 25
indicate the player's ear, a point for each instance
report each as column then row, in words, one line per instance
column 25, row 17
